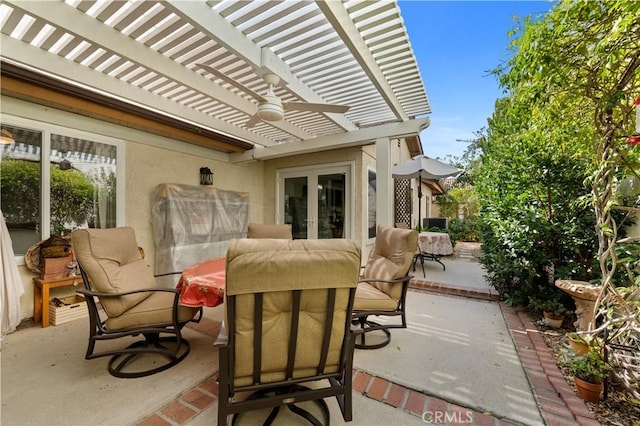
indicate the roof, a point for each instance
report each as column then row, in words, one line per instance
column 147, row 54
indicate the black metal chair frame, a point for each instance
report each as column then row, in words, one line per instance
column 361, row 317
column 290, row 390
column 152, row 343
column 423, row 255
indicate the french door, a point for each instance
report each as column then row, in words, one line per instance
column 316, row 201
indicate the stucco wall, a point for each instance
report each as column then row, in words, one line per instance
column 149, row 160
column 148, row 167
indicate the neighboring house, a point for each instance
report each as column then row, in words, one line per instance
column 131, row 95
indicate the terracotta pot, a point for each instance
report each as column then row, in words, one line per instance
column 590, row 392
column 553, row 320
column 579, row 347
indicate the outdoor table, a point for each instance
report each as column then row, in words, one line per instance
column 203, row 284
column 433, row 245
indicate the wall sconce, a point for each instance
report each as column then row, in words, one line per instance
column 206, row 176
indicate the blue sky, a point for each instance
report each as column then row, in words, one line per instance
column 456, row 44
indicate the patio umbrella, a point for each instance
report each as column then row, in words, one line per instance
column 420, row 167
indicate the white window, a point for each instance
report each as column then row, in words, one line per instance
column 55, row 179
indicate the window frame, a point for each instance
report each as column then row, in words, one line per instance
column 45, row 167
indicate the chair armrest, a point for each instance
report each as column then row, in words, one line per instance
column 166, row 274
column 142, row 290
column 406, row 278
column 223, row 337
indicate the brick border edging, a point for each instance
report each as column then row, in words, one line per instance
column 185, row 406
column 200, row 397
column 556, row 400
column 418, row 403
column 451, row 289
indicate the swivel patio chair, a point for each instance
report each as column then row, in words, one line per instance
column 382, row 291
column 279, row 231
column 418, row 253
column 288, row 323
column 124, row 301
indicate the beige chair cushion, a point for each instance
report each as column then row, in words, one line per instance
column 275, row 268
column 112, row 261
column 155, row 309
column 391, row 258
column 257, row 230
column 256, row 265
column 369, row 298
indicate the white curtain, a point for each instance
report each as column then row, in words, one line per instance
column 12, row 287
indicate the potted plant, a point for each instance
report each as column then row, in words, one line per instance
column 581, row 342
column 552, row 309
column 589, row 372
column 578, row 342
column 554, row 312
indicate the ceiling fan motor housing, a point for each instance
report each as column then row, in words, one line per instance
column 272, row 109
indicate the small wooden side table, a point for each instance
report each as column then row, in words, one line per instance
column 41, row 296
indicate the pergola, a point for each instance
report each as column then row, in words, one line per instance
column 143, row 57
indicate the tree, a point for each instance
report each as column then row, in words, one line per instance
column 571, row 83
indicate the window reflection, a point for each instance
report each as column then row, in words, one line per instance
column 82, row 185
column 20, row 184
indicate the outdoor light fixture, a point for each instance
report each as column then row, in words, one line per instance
column 6, row 137
column 206, row 176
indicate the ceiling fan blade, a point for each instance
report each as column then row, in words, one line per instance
column 231, row 81
column 252, row 121
column 306, row 106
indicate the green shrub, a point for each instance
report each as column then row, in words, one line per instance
column 466, row 229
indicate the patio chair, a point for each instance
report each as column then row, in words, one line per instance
column 280, row 231
column 287, row 325
column 382, row 291
column 418, row 253
column 117, row 279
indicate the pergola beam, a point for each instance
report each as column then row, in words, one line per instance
column 344, row 140
column 337, row 15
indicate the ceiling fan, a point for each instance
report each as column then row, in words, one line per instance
column 270, row 107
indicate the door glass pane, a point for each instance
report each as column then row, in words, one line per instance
column 20, row 182
column 331, row 203
column 295, row 205
column 371, row 198
column 83, row 184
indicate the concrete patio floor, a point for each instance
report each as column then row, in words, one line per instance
column 460, row 360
